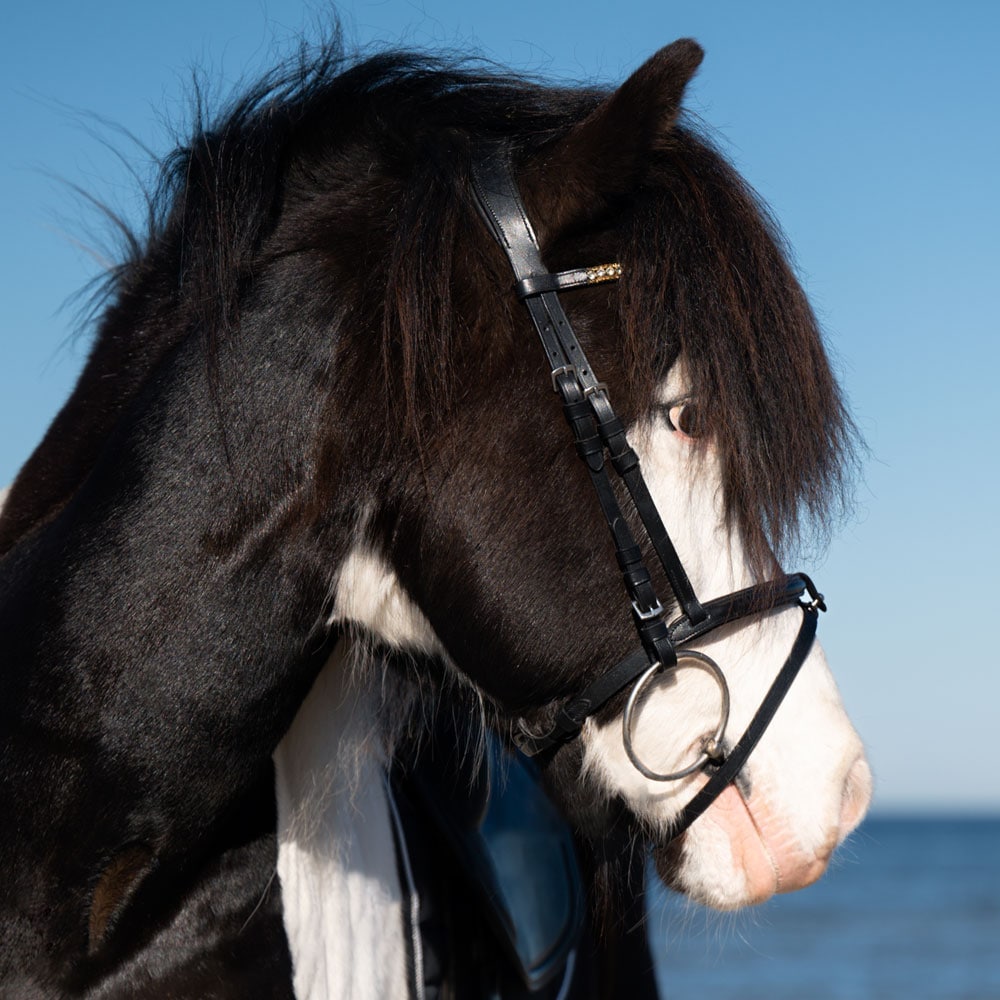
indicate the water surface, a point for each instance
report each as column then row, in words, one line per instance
column 910, row 910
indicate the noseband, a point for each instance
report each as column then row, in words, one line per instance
column 600, row 440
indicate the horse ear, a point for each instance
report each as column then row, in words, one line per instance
column 604, row 156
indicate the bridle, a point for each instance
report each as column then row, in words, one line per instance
column 601, row 441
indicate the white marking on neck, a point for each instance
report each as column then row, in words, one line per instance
column 368, row 593
column 343, row 905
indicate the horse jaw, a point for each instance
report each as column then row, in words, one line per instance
column 807, row 784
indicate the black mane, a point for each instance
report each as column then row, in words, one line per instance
column 244, row 189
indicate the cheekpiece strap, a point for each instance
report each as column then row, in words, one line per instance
column 587, row 407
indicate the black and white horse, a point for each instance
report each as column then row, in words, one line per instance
column 316, row 429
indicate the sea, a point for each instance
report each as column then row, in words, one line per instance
column 909, row 910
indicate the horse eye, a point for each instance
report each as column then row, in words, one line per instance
column 685, row 418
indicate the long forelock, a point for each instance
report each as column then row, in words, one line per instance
column 707, row 277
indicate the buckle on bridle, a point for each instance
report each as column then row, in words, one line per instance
column 649, row 614
column 818, row 602
column 563, row 370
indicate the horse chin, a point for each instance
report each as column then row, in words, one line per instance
column 735, row 857
column 743, row 851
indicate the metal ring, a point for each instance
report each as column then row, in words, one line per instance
column 711, row 745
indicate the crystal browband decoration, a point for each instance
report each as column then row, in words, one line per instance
column 604, row 272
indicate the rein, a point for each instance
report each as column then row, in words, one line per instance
column 601, row 442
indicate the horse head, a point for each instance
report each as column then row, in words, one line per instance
column 317, row 408
column 484, row 544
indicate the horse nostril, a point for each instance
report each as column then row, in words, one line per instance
column 857, row 797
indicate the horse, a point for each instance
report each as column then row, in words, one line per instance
column 313, row 491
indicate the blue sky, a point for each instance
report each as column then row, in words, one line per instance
column 872, row 130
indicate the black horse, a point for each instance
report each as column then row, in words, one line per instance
column 313, row 489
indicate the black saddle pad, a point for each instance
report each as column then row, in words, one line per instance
column 478, row 817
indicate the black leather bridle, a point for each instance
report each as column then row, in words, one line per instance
column 600, row 440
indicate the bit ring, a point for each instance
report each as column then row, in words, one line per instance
column 711, row 745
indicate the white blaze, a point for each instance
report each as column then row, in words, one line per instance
column 810, row 760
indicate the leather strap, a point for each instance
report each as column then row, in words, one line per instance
column 501, row 206
column 599, row 435
column 737, row 757
column 722, row 611
column 753, row 600
column 561, row 281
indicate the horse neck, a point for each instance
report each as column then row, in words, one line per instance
column 161, row 628
column 342, row 900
